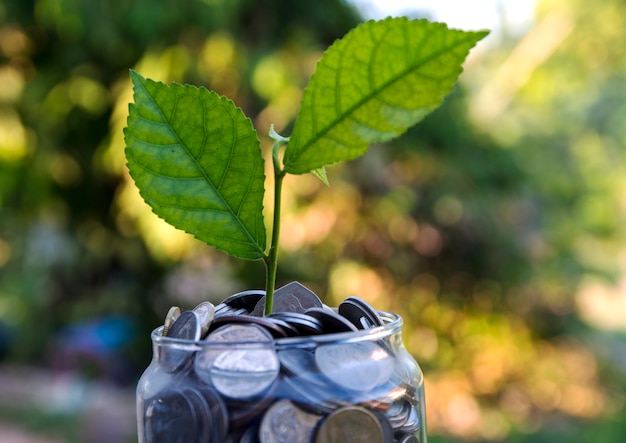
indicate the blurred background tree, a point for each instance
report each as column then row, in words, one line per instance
column 495, row 227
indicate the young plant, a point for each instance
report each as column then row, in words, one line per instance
column 196, row 158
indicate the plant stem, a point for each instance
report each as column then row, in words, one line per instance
column 271, row 262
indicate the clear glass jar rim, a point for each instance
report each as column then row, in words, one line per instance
column 393, row 325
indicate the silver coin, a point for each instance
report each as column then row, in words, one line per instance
column 270, row 326
column 284, row 422
column 409, row 438
column 204, row 424
column 170, row 417
column 297, row 361
column 359, row 366
column 398, row 413
column 243, row 370
column 331, row 322
column 245, row 300
column 244, row 373
column 217, row 411
column 293, row 297
column 351, row 424
column 170, row 318
column 244, row 413
column 288, row 328
column 249, row 436
column 206, row 313
column 186, row 327
column 321, row 399
column 226, row 310
column 412, row 423
column 302, row 323
column 359, row 313
column 239, row 333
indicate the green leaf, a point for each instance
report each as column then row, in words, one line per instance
column 320, row 173
column 372, row 85
column 196, row 160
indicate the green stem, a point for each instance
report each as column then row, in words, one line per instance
column 271, row 262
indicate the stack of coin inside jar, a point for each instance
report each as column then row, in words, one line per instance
column 305, row 373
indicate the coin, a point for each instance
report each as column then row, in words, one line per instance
column 398, row 413
column 204, row 419
column 351, row 424
column 245, row 300
column 288, row 328
column 242, row 413
column 206, row 314
column 272, row 327
column 301, row 363
column 186, row 327
column 385, row 426
column 244, row 370
column 293, row 297
column 304, row 324
column 217, row 411
column 412, row 424
column 359, row 313
column 409, row 438
column 249, row 436
column 170, row 417
column 331, row 322
column 225, row 310
column 170, row 318
column 321, row 399
column 244, row 373
column 359, row 366
column 284, row 422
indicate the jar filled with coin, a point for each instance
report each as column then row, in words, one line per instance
column 305, row 373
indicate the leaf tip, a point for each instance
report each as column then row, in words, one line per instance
column 482, row 33
column 135, row 77
column 320, row 173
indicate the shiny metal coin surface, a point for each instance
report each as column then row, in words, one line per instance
column 293, row 297
column 186, row 327
column 359, row 366
column 206, row 314
column 170, row 318
column 351, row 424
column 244, row 373
column 217, row 411
column 203, row 415
column 359, row 313
column 331, row 322
column 243, row 370
column 410, row 438
column 274, row 328
column 245, row 300
column 304, row 324
column 285, row 422
column 171, row 417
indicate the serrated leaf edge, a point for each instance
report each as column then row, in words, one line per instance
column 137, row 80
column 290, row 166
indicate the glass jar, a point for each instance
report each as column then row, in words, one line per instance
column 344, row 387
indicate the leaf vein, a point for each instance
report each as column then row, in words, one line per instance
column 162, row 175
column 204, row 174
column 411, row 67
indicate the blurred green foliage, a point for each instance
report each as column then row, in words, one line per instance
column 495, row 227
